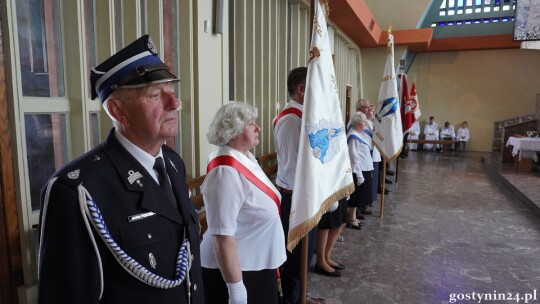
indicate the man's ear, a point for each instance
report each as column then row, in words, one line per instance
column 116, row 109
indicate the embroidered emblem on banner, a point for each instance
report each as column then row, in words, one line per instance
column 134, row 177
column 388, row 107
column 323, row 139
column 74, row 174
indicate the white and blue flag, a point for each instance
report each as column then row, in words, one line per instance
column 387, row 129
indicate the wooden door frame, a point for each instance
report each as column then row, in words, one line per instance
column 348, row 97
column 11, row 273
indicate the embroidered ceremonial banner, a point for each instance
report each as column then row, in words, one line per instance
column 323, row 170
column 415, row 106
column 407, row 115
column 387, row 129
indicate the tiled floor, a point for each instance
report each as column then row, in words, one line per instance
column 448, row 228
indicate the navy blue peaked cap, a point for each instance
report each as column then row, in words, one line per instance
column 136, row 65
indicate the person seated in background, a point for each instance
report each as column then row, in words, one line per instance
column 431, row 132
column 462, row 137
column 414, row 133
column 448, row 133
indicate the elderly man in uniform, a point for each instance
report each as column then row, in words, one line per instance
column 117, row 224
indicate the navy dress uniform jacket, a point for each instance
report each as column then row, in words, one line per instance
column 69, row 266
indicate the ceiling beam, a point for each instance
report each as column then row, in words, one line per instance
column 355, row 19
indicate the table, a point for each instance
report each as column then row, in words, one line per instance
column 526, row 145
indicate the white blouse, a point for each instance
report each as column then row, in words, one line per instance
column 236, row 207
column 359, row 153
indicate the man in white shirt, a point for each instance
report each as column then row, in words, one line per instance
column 287, row 126
column 431, row 132
column 448, row 133
column 463, row 136
column 413, row 134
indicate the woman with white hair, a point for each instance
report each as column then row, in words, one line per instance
column 362, row 166
column 244, row 243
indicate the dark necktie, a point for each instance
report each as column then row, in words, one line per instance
column 163, row 178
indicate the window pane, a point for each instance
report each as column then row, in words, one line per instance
column 46, row 149
column 144, row 25
column 40, row 51
column 118, row 23
column 94, row 129
column 171, row 53
column 90, row 39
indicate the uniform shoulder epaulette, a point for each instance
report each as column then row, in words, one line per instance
column 77, row 170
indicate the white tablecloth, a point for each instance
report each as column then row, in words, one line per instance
column 527, row 146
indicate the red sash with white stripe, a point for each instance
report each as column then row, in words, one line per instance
column 287, row 111
column 227, row 160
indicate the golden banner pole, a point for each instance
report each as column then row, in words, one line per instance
column 381, row 214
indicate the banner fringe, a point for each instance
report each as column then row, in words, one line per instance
column 389, row 159
column 298, row 232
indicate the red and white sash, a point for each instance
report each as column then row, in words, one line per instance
column 287, row 111
column 226, row 156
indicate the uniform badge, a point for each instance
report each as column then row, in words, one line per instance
column 152, row 260
column 74, row 174
column 151, row 47
column 134, row 177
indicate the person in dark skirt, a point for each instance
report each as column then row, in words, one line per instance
column 329, row 230
column 362, row 166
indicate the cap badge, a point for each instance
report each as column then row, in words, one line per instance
column 73, row 174
column 151, row 46
column 134, row 177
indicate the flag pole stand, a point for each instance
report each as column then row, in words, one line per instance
column 381, row 213
column 303, row 269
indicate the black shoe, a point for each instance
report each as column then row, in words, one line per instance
column 390, row 172
column 351, row 226
column 386, row 191
column 388, row 181
column 338, row 267
column 319, row 270
column 366, row 211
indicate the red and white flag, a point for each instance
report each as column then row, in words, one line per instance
column 387, row 128
column 413, row 101
column 407, row 116
column 323, row 170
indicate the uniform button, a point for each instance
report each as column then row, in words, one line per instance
column 149, row 235
column 194, row 287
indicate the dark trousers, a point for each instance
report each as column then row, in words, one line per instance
column 261, row 286
column 291, row 269
column 376, row 182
